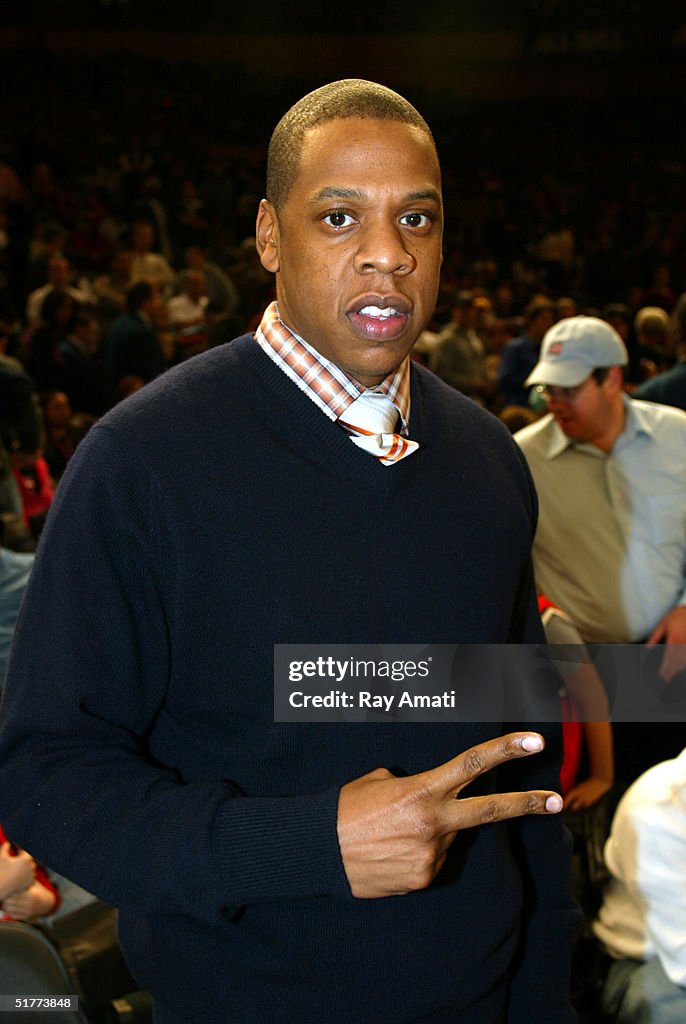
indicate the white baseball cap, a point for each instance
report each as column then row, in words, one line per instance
column 573, row 348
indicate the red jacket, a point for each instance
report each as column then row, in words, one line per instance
column 41, row 876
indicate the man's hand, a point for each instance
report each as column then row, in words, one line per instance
column 36, row 901
column 394, row 833
column 17, row 871
column 672, row 630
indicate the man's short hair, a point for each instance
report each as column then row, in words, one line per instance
column 615, row 310
column 138, row 294
column 537, row 307
column 351, row 97
column 652, row 321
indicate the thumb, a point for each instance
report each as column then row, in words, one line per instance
column 378, row 774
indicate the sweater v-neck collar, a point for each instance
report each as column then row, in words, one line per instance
column 299, row 418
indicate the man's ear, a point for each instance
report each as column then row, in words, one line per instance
column 615, row 379
column 267, row 236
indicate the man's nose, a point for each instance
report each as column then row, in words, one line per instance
column 383, row 249
column 557, row 404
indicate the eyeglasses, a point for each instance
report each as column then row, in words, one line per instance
column 551, row 393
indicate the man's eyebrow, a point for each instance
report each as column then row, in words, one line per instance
column 336, row 192
column 427, row 193
column 333, row 192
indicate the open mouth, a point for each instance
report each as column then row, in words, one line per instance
column 380, row 319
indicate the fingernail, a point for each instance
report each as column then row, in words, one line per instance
column 553, row 803
column 532, row 743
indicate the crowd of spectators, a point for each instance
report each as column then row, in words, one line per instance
column 126, row 246
column 123, row 256
column 128, row 192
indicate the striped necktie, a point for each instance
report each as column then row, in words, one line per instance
column 371, row 420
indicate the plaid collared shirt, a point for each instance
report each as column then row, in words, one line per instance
column 332, row 390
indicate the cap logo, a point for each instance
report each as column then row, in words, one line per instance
column 555, row 349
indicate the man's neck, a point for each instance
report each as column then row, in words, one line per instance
column 614, row 429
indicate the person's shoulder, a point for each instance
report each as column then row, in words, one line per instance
column 669, row 387
column 449, row 331
column 660, row 786
column 658, row 416
column 461, row 417
column 124, row 322
column 194, row 385
column 519, row 341
column 14, row 565
column 536, row 436
column 180, row 412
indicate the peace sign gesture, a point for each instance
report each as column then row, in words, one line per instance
column 394, row 833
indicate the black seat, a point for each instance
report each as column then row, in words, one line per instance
column 31, row 966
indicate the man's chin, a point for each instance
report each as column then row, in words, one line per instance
column 567, row 427
column 368, row 378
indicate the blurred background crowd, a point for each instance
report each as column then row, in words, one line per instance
column 127, row 205
column 129, row 186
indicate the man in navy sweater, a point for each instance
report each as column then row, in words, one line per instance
column 269, row 871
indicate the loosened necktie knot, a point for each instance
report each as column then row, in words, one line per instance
column 371, row 421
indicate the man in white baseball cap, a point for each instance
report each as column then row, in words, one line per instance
column 576, row 352
column 610, row 547
column 574, row 347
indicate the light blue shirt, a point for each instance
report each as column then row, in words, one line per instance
column 15, row 569
column 610, row 548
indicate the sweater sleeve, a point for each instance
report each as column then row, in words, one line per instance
column 87, row 680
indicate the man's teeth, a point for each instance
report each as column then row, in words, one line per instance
column 377, row 312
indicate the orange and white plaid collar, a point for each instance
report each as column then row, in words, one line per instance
column 332, row 390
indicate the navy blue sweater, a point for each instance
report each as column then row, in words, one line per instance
column 210, row 516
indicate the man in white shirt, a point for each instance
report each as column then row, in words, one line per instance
column 187, row 314
column 459, row 353
column 610, row 472
column 59, row 274
column 188, row 308
column 642, row 921
column 147, row 265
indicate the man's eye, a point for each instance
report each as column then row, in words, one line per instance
column 416, row 220
column 338, row 219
